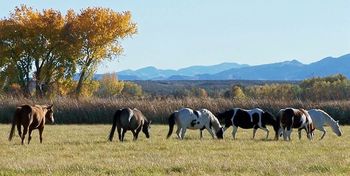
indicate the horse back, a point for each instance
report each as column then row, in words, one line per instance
column 125, row 117
column 287, row 117
column 242, row 118
column 23, row 114
column 138, row 119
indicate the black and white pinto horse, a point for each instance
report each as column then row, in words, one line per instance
column 295, row 118
column 320, row 117
column 187, row 118
column 247, row 119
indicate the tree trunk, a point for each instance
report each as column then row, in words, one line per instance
column 80, row 83
column 82, row 76
column 38, row 86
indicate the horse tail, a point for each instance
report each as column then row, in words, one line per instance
column 14, row 121
column 114, row 125
column 171, row 122
column 12, row 129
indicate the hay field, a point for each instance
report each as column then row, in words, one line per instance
column 84, row 150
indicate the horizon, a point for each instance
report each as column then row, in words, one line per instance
column 249, row 65
column 175, row 35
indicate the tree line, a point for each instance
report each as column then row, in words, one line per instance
column 45, row 50
column 334, row 87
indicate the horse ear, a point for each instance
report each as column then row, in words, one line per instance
column 50, row 106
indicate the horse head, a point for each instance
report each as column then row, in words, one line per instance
column 226, row 117
column 336, row 128
column 274, row 121
column 220, row 133
column 146, row 128
column 49, row 113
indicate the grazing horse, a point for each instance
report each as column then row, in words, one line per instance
column 31, row 117
column 295, row 118
column 187, row 118
column 319, row 118
column 247, row 119
column 129, row 119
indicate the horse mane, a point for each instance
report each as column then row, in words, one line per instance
column 326, row 115
column 213, row 120
column 269, row 114
column 196, row 113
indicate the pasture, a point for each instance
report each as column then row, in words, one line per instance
column 84, row 150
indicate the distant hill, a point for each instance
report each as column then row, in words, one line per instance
column 152, row 73
column 287, row 70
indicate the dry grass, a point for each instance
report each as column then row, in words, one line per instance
column 84, row 150
column 95, row 110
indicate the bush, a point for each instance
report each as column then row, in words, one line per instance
column 132, row 89
column 110, row 86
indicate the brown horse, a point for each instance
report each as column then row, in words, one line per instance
column 129, row 119
column 296, row 118
column 31, row 117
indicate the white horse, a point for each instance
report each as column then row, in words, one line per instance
column 319, row 118
column 186, row 118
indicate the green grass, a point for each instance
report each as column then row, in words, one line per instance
column 84, row 150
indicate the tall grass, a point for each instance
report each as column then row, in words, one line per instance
column 100, row 111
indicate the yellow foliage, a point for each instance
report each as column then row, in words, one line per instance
column 238, row 93
column 89, row 88
column 110, row 86
column 132, row 89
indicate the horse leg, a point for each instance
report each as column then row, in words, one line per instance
column 183, row 131
column 134, row 135
column 299, row 133
column 267, row 131
column 178, row 132
column 324, row 133
column 234, row 131
column 211, row 132
column 30, row 135
column 19, row 130
column 289, row 132
column 24, row 134
column 41, row 130
column 123, row 134
column 137, row 132
column 254, row 131
column 119, row 130
column 284, row 133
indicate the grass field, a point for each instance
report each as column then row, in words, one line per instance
column 84, row 150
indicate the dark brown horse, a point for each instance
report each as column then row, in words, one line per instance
column 31, row 117
column 129, row 119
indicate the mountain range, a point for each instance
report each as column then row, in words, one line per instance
column 287, row 70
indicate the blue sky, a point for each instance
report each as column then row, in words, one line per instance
column 174, row 34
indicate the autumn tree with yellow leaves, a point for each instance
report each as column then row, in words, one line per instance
column 50, row 48
column 97, row 32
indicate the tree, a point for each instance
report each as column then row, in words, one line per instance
column 29, row 36
column 237, row 93
column 98, row 32
column 132, row 89
column 16, row 50
column 110, row 86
